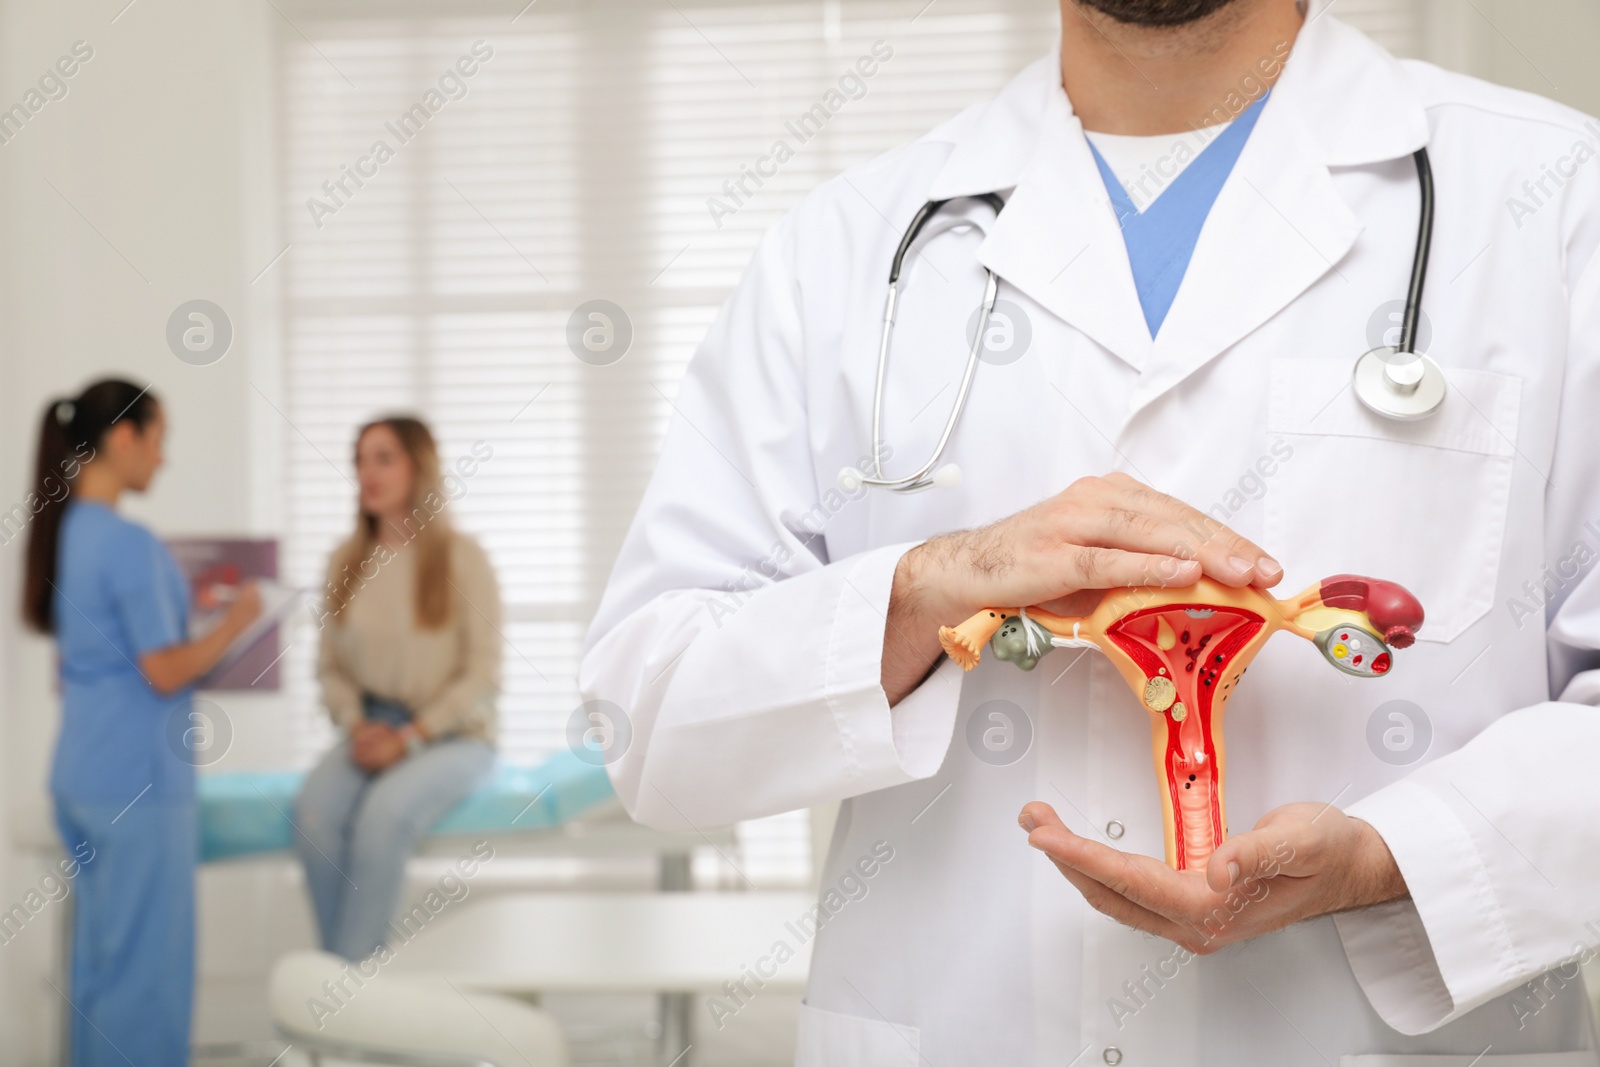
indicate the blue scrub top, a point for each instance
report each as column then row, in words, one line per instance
column 119, row 594
column 1161, row 239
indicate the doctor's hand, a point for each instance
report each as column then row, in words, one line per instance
column 1300, row 861
column 1098, row 533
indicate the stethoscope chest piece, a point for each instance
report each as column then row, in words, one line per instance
column 1398, row 384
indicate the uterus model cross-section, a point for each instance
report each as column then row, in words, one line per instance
column 1184, row 652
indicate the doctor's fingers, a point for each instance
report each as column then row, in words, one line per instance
column 1119, row 511
column 1179, row 906
column 1047, row 573
column 1296, row 840
column 1108, row 902
column 1036, row 813
column 1074, row 567
column 1142, row 880
column 1176, row 555
column 1051, row 836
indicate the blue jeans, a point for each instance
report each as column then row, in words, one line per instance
column 356, row 830
column 133, row 942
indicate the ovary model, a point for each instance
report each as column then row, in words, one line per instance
column 1184, row 651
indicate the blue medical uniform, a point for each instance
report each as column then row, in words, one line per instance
column 1162, row 238
column 124, row 794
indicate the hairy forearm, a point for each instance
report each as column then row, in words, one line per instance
column 1375, row 877
column 918, row 605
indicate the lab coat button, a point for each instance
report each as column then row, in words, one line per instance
column 1113, row 829
column 1112, row 1055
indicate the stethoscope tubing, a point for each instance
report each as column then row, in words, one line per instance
column 1419, row 260
column 920, row 480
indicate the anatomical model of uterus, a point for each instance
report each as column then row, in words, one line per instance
column 1184, row 652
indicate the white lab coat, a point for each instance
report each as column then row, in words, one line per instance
column 967, row 947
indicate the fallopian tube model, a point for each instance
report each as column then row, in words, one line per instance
column 1183, row 652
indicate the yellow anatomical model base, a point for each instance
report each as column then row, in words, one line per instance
column 1183, row 652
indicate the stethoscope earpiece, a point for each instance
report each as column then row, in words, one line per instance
column 851, row 480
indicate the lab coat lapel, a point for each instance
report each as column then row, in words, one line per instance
column 1277, row 226
column 1058, row 240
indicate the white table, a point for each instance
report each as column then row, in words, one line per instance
column 605, row 831
column 615, row 942
column 674, row 944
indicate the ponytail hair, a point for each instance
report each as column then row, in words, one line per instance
column 69, row 435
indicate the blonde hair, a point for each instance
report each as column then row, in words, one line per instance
column 427, row 532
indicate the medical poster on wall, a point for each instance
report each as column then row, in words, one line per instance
column 214, row 568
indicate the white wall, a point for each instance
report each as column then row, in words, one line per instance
column 1542, row 46
column 153, row 183
column 149, row 184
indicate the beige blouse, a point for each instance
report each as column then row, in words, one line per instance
column 449, row 677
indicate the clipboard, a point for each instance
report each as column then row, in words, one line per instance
column 213, row 568
column 277, row 601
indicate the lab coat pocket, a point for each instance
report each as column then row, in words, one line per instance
column 1419, row 503
column 1526, row 1059
column 829, row 1039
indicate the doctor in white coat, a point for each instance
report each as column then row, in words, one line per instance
column 1423, row 876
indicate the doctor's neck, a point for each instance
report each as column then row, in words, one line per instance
column 1145, row 67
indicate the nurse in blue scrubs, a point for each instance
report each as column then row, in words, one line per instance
column 123, row 785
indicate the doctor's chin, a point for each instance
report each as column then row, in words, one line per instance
column 734, row 533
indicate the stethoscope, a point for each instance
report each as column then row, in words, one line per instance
column 1395, row 381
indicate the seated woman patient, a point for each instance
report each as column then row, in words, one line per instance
column 410, row 668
